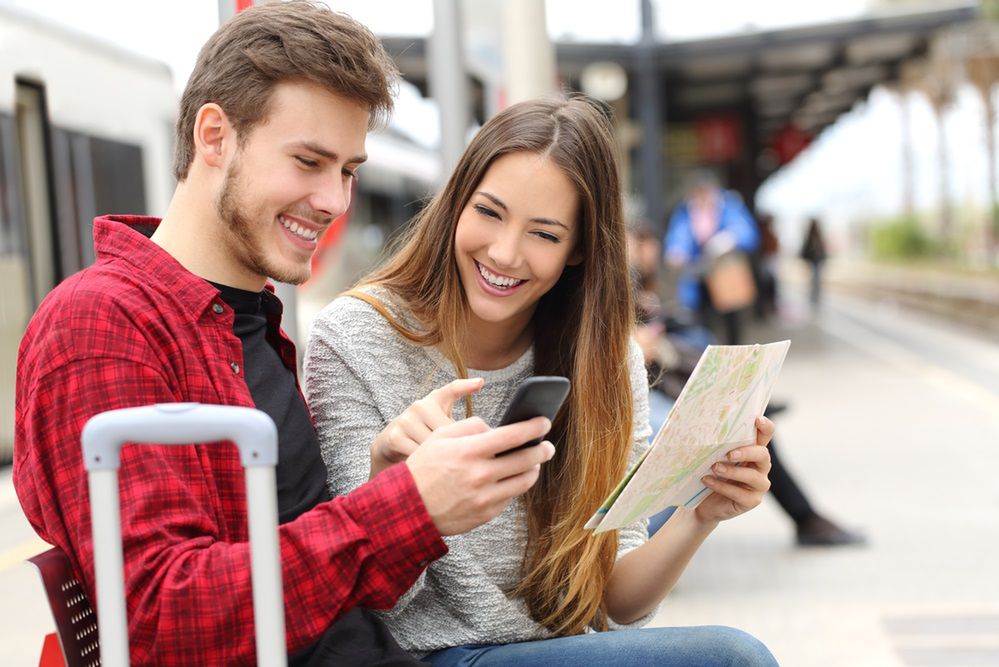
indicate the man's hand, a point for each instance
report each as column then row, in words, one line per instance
column 461, row 479
column 408, row 431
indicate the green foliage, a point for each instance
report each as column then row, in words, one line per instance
column 901, row 238
column 990, row 9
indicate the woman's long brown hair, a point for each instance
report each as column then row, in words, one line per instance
column 581, row 330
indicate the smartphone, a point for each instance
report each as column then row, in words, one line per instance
column 538, row 396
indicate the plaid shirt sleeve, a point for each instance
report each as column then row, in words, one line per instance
column 187, row 566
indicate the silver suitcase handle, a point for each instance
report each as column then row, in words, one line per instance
column 181, row 424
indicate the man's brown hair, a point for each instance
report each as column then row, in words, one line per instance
column 241, row 63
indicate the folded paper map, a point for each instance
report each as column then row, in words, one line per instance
column 715, row 413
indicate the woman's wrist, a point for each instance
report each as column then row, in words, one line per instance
column 696, row 521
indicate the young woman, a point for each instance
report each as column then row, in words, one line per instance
column 518, row 268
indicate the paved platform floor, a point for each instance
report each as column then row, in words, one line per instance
column 894, row 429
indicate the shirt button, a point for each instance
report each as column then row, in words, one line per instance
column 217, row 308
column 235, row 367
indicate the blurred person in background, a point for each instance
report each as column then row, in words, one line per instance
column 813, row 251
column 670, row 358
column 271, row 131
column 670, row 347
column 519, row 268
column 767, row 257
column 709, row 236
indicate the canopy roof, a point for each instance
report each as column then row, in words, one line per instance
column 808, row 74
column 764, row 82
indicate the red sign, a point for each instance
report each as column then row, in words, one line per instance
column 719, row 138
column 788, row 141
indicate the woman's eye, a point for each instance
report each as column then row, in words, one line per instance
column 350, row 173
column 548, row 237
column 306, row 162
column 485, row 210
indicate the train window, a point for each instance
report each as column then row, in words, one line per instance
column 93, row 176
column 119, row 182
column 11, row 237
column 69, row 203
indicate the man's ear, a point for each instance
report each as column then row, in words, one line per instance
column 213, row 133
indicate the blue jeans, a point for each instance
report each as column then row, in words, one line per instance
column 656, row 521
column 659, row 406
column 702, row 646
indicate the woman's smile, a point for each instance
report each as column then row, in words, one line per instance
column 496, row 283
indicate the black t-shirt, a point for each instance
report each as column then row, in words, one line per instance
column 301, row 473
column 358, row 637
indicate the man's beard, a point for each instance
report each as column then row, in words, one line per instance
column 244, row 233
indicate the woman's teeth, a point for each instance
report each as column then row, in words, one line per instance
column 299, row 231
column 502, row 282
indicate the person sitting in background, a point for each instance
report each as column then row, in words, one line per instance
column 519, row 268
column 767, row 258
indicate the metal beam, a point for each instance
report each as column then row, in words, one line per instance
column 651, row 170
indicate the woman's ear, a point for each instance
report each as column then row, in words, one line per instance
column 212, row 134
column 576, row 257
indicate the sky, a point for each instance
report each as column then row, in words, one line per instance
column 852, row 171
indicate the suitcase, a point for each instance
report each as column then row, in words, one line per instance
column 183, row 423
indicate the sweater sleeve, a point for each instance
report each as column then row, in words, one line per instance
column 339, row 391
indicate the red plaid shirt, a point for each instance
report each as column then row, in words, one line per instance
column 137, row 328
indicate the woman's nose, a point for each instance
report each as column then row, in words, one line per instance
column 504, row 251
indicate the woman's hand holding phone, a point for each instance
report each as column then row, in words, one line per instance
column 539, row 396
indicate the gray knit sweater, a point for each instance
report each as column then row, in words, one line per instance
column 360, row 374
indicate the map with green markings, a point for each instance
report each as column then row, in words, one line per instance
column 714, row 414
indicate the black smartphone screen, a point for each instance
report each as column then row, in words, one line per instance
column 538, row 396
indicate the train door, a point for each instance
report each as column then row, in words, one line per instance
column 36, row 191
column 29, row 264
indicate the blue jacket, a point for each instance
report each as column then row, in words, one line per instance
column 735, row 219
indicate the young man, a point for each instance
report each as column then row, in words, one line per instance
column 270, row 134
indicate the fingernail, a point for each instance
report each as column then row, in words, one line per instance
column 707, row 481
column 735, row 456
column 720, row 467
